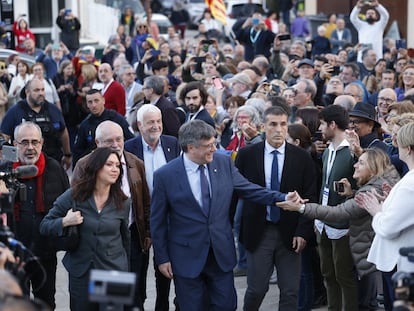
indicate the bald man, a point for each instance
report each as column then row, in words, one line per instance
column 112, row 91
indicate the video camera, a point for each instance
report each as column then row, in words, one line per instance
column 404, row 284
column 113, row 287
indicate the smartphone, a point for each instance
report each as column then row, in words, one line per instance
column 155, row 52
column 255, row 21
column 338, row 186
column 67, row 12
column 200, row 59
column 401, row 44
column 217, row 83
column 366, row 46
column 293, row 57
column 86, row 51
column 284, row 37
column 207, row 42
column 336, row 70
column 318, row 136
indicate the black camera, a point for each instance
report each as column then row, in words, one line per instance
column 404, row 284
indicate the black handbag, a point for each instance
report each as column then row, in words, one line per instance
column 69, row 241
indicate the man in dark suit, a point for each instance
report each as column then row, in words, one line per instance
column 275, row 242
column 190, row 223
column 194, row 96
column 155, row 150
column 340, row 36
column 153, row 90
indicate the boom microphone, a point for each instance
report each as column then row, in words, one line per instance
column 23, row 171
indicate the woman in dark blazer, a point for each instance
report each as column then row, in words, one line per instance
column 102, row 215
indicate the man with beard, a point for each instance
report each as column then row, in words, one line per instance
column 371, row 30
column 49, row 118
column 194, row 96
column 42, row 190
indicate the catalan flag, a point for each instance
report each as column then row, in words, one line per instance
column 218, row 10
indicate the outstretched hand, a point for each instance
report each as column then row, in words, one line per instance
column 289, row 206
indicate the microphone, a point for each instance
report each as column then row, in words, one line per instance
column 21, row 172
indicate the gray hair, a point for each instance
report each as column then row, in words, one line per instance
column 259, row 105
column 124, row 67
column 156, row 83
column 101, row 128
column 193, row 132
column 24, row 125
column 145, row 109
column 310, row 87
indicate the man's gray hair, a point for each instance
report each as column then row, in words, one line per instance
column 100, row 128
column 156, row 83
column 145, row 109
column 193, row 132
column 24, row 125
column 252, row 112
column 123, row 68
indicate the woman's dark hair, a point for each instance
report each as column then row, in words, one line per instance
column 301, row 132
column 239, row 100
column 28, row 71
column 83, row 189
column 310, row 118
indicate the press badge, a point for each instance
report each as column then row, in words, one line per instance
column 325, row 196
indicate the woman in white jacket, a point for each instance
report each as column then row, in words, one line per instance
column 393, row 220
column 18, row 82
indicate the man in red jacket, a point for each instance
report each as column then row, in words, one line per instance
column 113, row 92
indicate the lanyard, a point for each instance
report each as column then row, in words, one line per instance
column 254, row 39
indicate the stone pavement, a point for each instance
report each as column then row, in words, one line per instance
column 62, row 293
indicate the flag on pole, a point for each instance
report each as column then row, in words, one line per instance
column 218, row 10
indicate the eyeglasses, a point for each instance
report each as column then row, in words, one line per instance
column 118, row 139
column 142, row 26
column 382, row 100
column 209, row 146
column 356, row 121
column 25, row 143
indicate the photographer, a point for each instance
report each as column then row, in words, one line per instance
column 42, row 190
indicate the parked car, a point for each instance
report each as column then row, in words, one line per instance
column 163, row 23
column 195, row 9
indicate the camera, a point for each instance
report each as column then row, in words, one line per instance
column 404, row 284
column 116, row 287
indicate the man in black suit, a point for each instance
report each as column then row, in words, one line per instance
column 194, row 96
column 153, row 90
column 155, row 150
column 275, row 239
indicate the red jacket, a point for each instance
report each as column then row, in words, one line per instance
column 115, row 98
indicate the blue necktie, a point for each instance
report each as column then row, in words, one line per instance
column 205, row 191
column 275, row 185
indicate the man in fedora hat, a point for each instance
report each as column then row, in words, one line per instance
column 364, row 129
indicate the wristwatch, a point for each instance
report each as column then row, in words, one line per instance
column 302, row 209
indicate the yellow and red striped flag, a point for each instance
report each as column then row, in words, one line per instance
column 218, row 10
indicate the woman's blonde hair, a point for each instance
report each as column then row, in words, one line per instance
column 378, row 163
column 405, row 136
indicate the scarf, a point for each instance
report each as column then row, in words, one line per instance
column 40, row 206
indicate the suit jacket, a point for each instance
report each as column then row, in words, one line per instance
column 203, row 115
column 104, row 237
column 169, row 145
column 181, row 233
column 298, row 174
column 170, row 120
column 140, row 195
column 338, row 44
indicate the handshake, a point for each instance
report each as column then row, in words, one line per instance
column 293, row 202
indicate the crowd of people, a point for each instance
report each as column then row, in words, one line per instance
column 219, row 156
